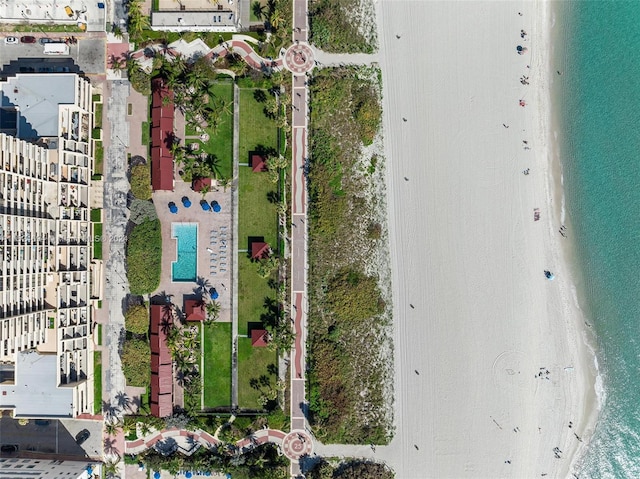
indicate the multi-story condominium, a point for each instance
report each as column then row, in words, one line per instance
column 12, row 468
column 46, row 162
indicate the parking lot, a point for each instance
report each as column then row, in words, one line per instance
column 88, row 54
column 50, row 437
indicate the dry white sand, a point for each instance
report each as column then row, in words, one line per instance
column 467, row 253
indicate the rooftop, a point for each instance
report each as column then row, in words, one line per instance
column 35, row 392
column 36, row 97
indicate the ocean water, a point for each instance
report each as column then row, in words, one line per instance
column 598, row 97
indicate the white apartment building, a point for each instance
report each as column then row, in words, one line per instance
column 15, row 468
column 45, row 245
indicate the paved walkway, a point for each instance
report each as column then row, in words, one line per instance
column 197, row 48
column 294, row 444
column 116, row 216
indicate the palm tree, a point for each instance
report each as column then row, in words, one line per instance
column 124, row 401
column 211, row 165
column 224, row 182
column 213, row 310
column 111, row 469
column 117, row 63
column 259, row 10
column 276, row 18
column 112, row 427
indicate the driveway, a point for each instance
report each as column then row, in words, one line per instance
column 52, row 437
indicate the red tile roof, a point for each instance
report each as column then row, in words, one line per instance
column 194, row 310
column 258, row 162
column 161, row 363
column 259, row 338
column 198, row 184
column 259, row 250
column 161, row 136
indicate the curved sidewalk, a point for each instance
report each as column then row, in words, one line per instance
column 294, row 444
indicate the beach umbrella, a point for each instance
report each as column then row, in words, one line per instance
column 519, row 48
column 188, row 475
column 215, row 206
column 156, row 475
column 173, row 208
column 186, row 202
column 205, row 205
column 214, row 293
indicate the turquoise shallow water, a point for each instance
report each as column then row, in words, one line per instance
column 599, row 99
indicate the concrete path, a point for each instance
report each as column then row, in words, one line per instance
column 116, row 216
column 325, row 59
column 233, row 257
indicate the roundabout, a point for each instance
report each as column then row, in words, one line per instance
column 298, row 59
column 297, row 444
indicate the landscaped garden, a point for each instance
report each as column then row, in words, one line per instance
column 220, row 130
column 217, row 365
column 257, row 219
column 257, row 375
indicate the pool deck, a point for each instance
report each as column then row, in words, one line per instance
column 207, row 221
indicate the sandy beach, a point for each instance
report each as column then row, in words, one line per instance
column 492, row 370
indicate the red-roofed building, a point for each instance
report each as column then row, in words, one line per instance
column 259, row 250
column 259, row 338
column 162, row 111
column 257, row 162
column 199, row 184
column 161, row 362
column 194, row 310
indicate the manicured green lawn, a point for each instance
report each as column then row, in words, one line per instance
column 252, row 364
column 252, row 291
column 97, row 167
column 97, row 382
column 98, row 116
column 255, row 128
column 221, row 142
column 256, row 215
column 217, row 365
column 97, row 240
column 145, row 140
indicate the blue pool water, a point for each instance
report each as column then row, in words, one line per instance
column 185, row 268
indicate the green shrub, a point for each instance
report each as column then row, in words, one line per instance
column 141, row 182
column 144, row 257
column 136, row 320
column 142, row 211
column 136, row 362
column 353, row 296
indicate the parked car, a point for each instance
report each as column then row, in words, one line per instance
column 44, row 40
column 9, row 448
column 42, row 422
column 82, row 436
column 11, row 40
column 69, row 11
column 28, row 39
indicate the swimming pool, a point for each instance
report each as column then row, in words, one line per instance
column 185, row 267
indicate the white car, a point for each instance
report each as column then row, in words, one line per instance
column 11, row 40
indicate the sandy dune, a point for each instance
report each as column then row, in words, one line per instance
column 467, row 253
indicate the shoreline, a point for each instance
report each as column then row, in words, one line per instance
column 466, row 254
column 594, row 397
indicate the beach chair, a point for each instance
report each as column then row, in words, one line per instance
column 222, row 270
